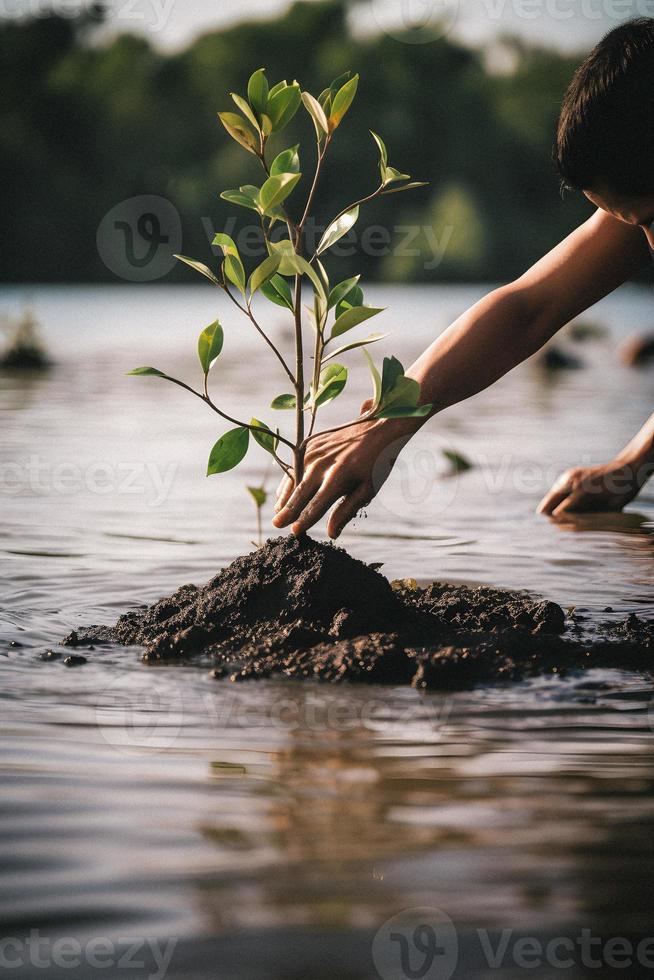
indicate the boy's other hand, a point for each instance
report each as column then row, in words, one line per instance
column 608, row 487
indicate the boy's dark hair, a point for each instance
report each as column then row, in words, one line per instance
column 606, row 126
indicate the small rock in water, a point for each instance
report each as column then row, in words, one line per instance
column 75, row 660
column 15, row 643
column 49, row 655
column 555, row 359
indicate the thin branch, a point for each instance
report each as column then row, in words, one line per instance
column 339, row 428
column 350, row 207
column 228, row 418
column 321, row 156
column 248, row 313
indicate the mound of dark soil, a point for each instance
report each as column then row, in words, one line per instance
column 300, row 608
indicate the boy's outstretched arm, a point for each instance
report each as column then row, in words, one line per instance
column 490, row 339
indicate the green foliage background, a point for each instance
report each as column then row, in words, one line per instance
column 86, row 125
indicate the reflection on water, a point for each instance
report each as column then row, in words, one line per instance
column 271, row 829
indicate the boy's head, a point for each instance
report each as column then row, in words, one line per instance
column 605, row 139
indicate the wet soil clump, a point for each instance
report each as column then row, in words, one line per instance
column 299, row 608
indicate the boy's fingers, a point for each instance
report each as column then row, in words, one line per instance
column 347, row 509
column 556, row 496
column 328, row 494
column 573, row 501
column 284, row 491
column 297, row 500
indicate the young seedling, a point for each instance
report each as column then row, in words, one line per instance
column 260, row 496
column 335, row 310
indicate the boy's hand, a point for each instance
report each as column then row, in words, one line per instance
column 610, row 486
column 352, row 464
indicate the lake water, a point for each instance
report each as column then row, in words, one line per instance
column 273, row 829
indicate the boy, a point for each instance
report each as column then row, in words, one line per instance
column 604, row 148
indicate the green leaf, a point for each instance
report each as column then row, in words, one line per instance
column 287, row 254
column 353, row 298
column 342, row 102
column 376, row 379
column 240, row 198
column 406, row 187
column 332, row 381
column 339, row 292
column 267, row 438
column 146, row 371
column 283, row 105
column 383, row 154
column 337, row 229
column 234, row 271
column 232, row 266
column 227, row 244
column 200, row 267
column 246, row 110
column 239, row 131
column 327, row 97
column 263, row 273
column 275, row 190
column 317, row 114
column 258, row 494
column 391, row 174
column 229, row 451
column 370, row 339
column 286, row 162
column 210, row 344
column 459, row 462
column 258, row 91
column 283, row 402
column 391, row 371
column 405, row 393
column 278, row 291
column 302, row 267
column 352, row 318
column 277, row 88
column 404, row 412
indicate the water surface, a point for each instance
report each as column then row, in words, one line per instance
column 270, row 829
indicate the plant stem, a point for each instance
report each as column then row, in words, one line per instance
column 299, row 449
column 259, row 528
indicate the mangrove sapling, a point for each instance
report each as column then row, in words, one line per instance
column 279, row 278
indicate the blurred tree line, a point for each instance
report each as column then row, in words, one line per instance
column 87, row 124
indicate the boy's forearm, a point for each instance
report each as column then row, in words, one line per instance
column 491, row 338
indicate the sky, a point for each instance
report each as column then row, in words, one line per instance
column 567, row 24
